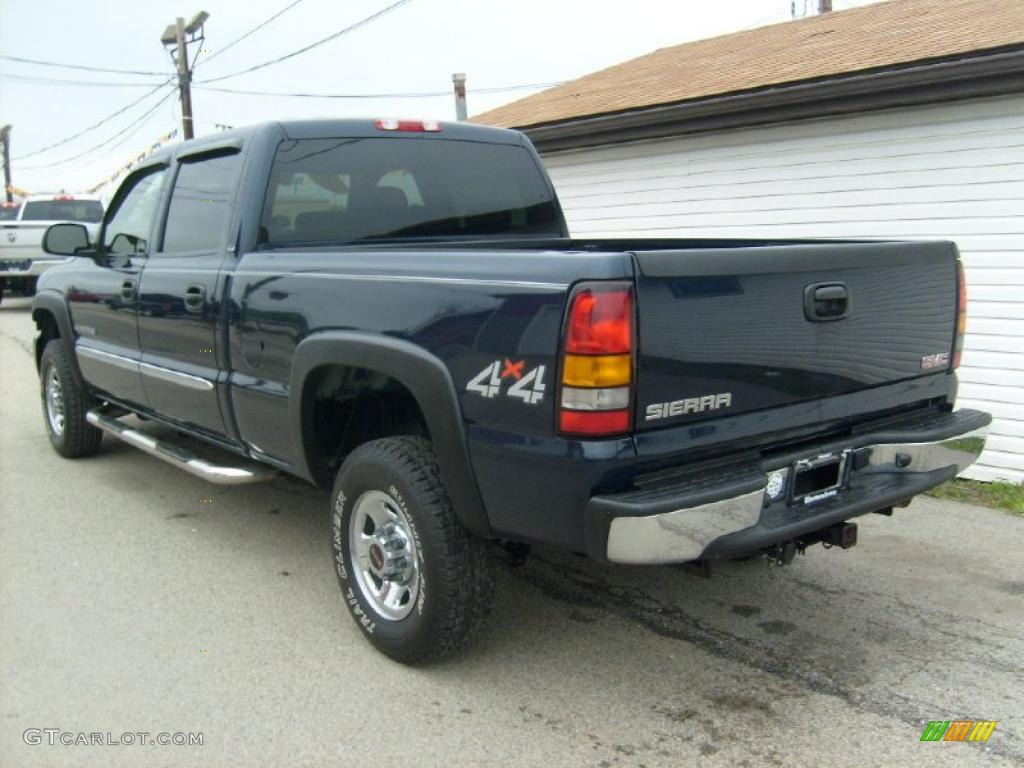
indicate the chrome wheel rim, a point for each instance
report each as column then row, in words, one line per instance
column 54, row 402
column 384, row 555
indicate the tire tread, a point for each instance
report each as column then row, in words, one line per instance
column 80, row 438
column 465, row 565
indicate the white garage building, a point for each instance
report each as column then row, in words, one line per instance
column 901, row 120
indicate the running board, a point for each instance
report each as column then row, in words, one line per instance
column 247, row 472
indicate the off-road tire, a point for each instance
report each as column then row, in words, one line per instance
column 456, row 571
column 78, row 438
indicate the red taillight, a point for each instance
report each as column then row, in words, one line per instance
column 961, row 315
column 413, row 126
column 594, row 423
column 596, row 394
column 600, row 321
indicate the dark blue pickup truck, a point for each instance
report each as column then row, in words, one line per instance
column 394, row 311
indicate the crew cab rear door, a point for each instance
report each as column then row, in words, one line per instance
column 179, row 301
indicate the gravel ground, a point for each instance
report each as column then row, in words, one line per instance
column 135, row 598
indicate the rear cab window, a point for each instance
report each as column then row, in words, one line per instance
column 364, row 189
column 87, row 211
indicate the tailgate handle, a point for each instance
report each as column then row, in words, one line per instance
column 826, row 301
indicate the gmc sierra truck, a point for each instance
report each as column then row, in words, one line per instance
column 394, row 312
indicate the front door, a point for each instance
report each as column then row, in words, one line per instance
column 103, row 294
column 179, row 301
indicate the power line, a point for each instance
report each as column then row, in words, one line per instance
column 396, row 95
column 139, row 122
column 124, row 135
column 94, row 126
column 85, row 67
column 255, row 29
column 311, row 46
column 60, row 81
column 761, row 22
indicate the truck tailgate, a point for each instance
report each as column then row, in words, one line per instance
column 724, row 331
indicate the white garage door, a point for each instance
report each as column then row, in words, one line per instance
column 953, row 171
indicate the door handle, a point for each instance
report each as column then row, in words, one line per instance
column 195, row 298
column 128, row 289
column 827, row 301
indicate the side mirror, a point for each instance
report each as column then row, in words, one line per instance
column 66, row 239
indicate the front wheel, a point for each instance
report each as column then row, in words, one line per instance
column 65, row 403
column 414, row 580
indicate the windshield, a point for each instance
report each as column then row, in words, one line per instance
column 63, row 210
column 331, row 190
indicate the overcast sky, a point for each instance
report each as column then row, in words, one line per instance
column 413, row 49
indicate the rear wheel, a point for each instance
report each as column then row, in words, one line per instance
column 414, row 580
column 65, row 403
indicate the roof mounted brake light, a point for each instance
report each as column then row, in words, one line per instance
column 412, row 126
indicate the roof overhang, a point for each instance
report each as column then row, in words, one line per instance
column 984, row 73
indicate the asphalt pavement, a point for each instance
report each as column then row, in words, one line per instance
column 137, row 599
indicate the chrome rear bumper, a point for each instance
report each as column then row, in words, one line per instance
column 686, row 522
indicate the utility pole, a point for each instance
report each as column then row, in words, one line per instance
column 5, row 138
column 824, row 6
column 174, row 37
column 459, row 82
column 184, row 80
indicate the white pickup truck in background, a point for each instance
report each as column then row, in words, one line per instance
column 22, row 258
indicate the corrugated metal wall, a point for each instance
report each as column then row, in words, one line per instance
column 953, row 171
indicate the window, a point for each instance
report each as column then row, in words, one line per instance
column 63, row 210
column 201, row 203
column 131, row 220
column 307, row 195
column 404, row 180
column 345, row 190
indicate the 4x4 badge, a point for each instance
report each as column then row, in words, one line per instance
column 528, row 386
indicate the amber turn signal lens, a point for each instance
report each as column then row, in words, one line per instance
column 597, row 370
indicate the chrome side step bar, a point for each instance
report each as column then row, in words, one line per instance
column 222, row 475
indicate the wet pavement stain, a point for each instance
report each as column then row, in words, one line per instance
column 746, row 610
column 777, row 627
column 569, row 584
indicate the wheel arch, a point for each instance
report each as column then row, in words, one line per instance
column 429, row 382
column 52, row 318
